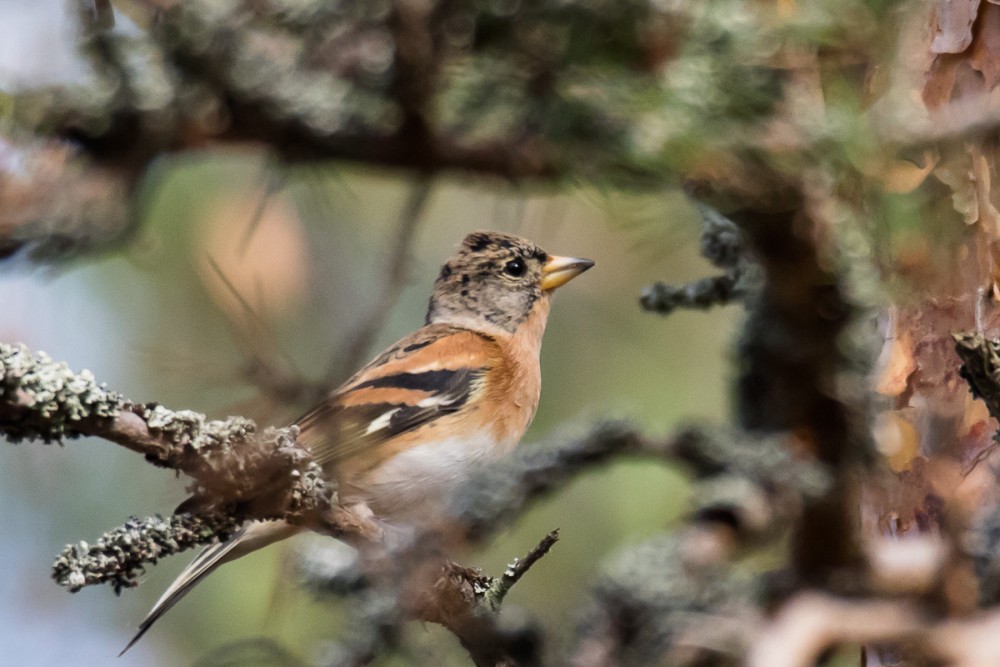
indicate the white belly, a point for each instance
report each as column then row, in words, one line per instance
column 412, row 484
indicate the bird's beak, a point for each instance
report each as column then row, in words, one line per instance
column 558, row 271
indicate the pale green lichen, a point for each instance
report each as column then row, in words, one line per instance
column 234, row 461
column 224, row 432
column 309, row 491
column 120, row 555
column 193, row 429
column 41, row 398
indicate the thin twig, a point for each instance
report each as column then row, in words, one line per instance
column 273, row 182
column 266, row 367
column 497, row 591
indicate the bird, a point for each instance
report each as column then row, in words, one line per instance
column 408, row 427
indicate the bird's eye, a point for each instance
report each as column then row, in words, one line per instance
column 515, row 268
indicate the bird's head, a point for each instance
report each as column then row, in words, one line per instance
column 495, row 279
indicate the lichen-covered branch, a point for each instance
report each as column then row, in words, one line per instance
column 468, row 603
column 230, row 460
column 500, row 586
column 723, row 244
column 119, row 556
column 702, row 294
column 239, row 475
column 500, row 492
column 43, row 399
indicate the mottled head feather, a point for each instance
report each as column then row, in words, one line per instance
column 494, row 280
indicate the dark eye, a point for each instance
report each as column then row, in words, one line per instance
column 515, row 267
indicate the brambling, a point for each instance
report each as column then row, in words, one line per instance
column 403, row 431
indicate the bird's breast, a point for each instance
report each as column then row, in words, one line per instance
column 413, row 484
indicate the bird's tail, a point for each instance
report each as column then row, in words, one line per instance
column 252, row 536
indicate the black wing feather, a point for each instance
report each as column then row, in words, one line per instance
column 334, row 432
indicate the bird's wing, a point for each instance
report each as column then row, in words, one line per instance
column 431, row 373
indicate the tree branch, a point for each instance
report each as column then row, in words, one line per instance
column 268, row 473
column 723, row 244
column 120, row 555
column 498, row 589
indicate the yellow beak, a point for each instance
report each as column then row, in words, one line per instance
column 558, row 271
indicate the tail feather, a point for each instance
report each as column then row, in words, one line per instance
column 252, row 536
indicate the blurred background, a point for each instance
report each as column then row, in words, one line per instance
column 311, row 254
column 229, row 205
